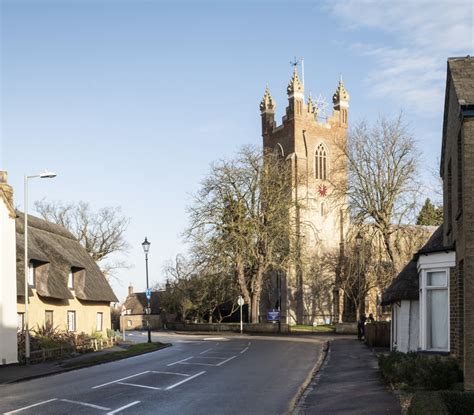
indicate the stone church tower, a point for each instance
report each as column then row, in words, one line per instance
column 314, row 149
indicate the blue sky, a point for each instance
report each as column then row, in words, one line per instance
column 129, row 101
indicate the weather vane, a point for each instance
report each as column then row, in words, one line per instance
column 295, row 63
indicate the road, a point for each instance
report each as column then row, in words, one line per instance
column 198, row 375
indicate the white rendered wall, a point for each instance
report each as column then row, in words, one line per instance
column 8, row 315
column 407, row 326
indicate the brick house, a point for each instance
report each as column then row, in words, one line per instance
column 135, row 316
column 444, row 276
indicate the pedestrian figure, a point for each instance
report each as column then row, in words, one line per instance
column 361, row 326
column 371, row 318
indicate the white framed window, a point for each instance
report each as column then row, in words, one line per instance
column 70, row 280
column 434, row 309
column 48, row 318
column 129, row 323
column 71, row 321
column 20, row 321
column 99, row 321
column 31, row 275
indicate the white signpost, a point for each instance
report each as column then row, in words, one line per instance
column 124, row 310
column 240, row 302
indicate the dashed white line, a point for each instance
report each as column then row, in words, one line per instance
column 119, row 380
column 103, row 408
column 180, row 361
column 185, row 380
column 225, row 361
column 30, row 406
column 205, row 351
column 243, row 351
column 122, row 408
column 210, row 357
column 139, row 386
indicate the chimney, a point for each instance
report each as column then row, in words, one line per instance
column 6, row 189
column 130, row 289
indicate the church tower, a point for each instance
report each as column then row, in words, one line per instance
column 313, row 146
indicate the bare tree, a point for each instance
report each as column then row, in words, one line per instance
column 382, row 177
column 241, row 217
column 101, row 232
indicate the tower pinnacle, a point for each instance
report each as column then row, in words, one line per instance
column 341, row 96
column 267, row 103
column 295, row 86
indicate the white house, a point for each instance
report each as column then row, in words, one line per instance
column 8, row 306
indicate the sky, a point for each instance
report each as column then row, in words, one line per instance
column 130, row 101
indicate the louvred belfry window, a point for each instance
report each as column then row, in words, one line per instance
column 320, row 167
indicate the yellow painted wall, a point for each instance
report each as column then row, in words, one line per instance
column 86, row 313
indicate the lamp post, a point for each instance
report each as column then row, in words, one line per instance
column 358, row 239
column 44, row 175
column 146, row 248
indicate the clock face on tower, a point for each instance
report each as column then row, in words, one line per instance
column 322, row 190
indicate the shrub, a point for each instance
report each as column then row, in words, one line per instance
column 459, row 403
column 420, row 371
column 427, row 403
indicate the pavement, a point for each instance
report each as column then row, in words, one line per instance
column 348, row 382
column 17, row 373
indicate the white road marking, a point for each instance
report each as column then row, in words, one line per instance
column 103, row 408
column 30, row 406
column 216, row 338
column 185, row 380
column 171, row 373
column 205, row 351
column 179, row 361
column 139, row 386
column 119, row 380
column 199, row 364
column 122, row 408
column 225, row 361
column 210, row 357
column 243, row 351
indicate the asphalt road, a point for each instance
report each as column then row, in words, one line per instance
column 198, row 375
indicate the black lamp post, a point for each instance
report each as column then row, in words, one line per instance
column 146, row 248
column 358, row 239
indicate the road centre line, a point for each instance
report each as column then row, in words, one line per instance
column 119, row 380
column 243, row 351
column 103, row 408
column 185, row 380
column 205, row 351
column 122, row 408
column 139, row 386
column 171, row 373
column 225, row 361
column 30, row 406
column 179, row 361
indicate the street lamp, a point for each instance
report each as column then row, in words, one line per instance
column 146, row 248
column 359, row 239
column 44, row 175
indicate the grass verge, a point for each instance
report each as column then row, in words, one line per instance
column 322, row 328
column 134, row 350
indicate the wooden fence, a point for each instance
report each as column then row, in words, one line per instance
column 378, row 334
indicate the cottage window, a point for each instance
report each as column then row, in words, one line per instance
column 99, row 321
column 129, row 323
column 320, row 165
column 48, row 318
column 434, row 310
column 31, row 275
column 70, row 280
column 71, row 321
column 20, row 321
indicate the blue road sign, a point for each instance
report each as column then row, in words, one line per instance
column 273, row 315
column 148, row 293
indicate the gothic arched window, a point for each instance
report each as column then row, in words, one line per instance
column 279, row 151
column 320, row 165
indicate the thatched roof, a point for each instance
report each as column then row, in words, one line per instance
column 137, row 302
column 59, row 252
column 406, row 285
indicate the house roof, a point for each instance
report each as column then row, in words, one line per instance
column 461, row 72
column 60, row 252
column 406, row 285
column 137, row 302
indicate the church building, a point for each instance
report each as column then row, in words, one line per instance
column 314, row 147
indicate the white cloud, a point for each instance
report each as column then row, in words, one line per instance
column 422, row 35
